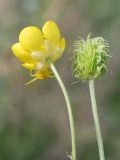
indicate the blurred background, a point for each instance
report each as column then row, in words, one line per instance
column 33, row 119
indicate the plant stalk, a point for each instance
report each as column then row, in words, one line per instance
column 96, row 120
column 69, row 108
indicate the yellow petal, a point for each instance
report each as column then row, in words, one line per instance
column 62, row 44
column 31, row 38
column 30, row 66
column 20, row 53
column 58, row 50
column 51, row 32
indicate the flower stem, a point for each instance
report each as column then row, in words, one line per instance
column 69, row 108
column 96, row 120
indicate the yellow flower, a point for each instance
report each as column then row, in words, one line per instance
column 36, row 46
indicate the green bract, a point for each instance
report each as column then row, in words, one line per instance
column 90, row 58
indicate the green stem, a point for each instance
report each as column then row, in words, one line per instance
column 96, row 120
column 69, row 108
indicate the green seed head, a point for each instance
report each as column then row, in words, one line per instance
column 90, row 58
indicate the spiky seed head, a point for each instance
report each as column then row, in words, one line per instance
column 90, row 58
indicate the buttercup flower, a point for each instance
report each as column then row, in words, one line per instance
column 35, row 46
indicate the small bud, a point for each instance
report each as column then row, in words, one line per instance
column 90, row 58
